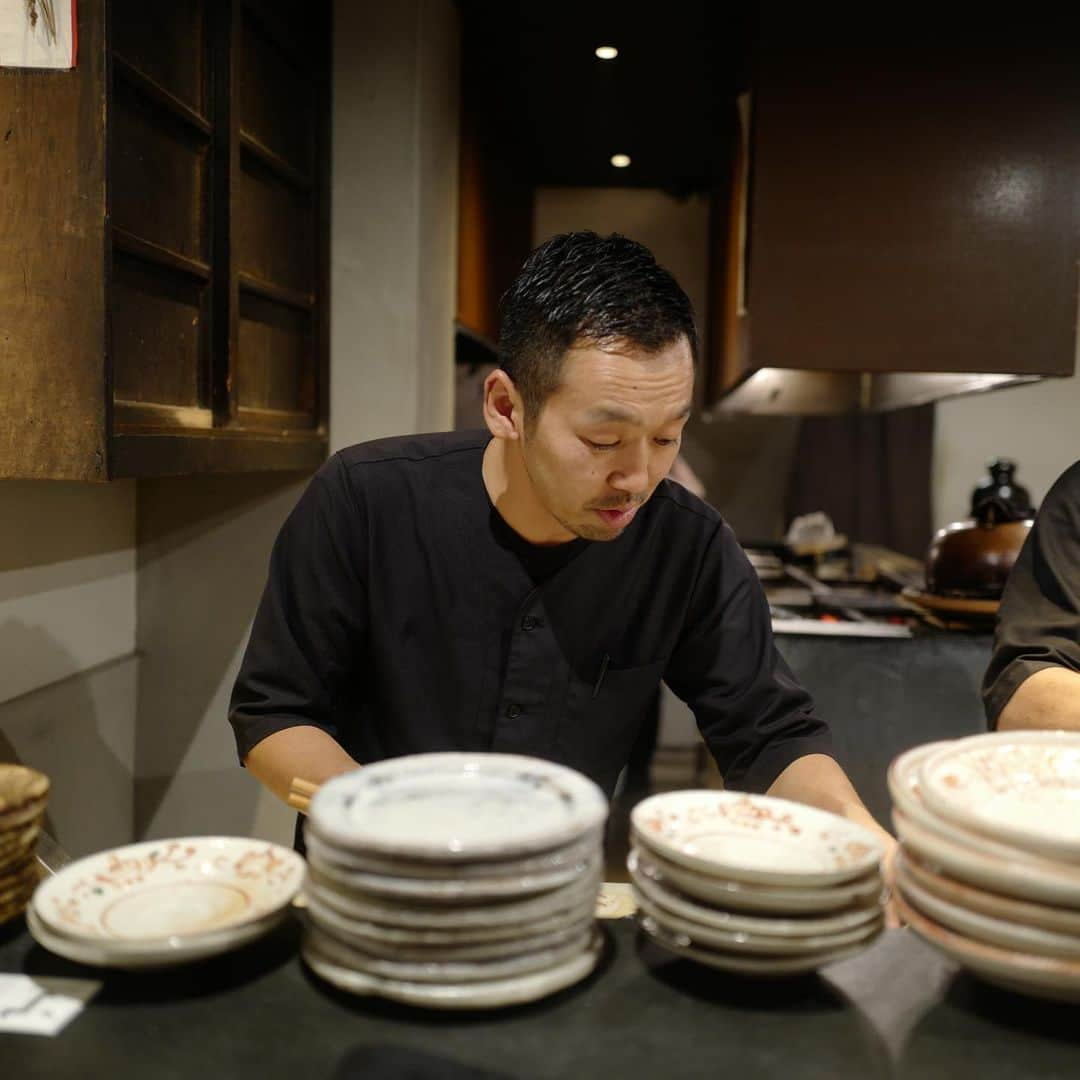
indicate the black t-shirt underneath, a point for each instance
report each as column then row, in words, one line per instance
column 402, row 615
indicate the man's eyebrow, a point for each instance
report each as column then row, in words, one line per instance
column 603, row 414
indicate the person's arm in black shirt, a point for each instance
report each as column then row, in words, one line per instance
column 1034, row 676
column 307, row 640
column 756, row 718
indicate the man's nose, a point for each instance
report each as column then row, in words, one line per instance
column 632, row 473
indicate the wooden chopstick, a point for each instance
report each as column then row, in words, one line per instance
column 301, row 793
column 298, row 802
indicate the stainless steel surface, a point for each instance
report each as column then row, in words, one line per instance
column 793, row 392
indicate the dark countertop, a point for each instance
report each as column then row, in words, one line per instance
column 883, row 696
column 896, row 1010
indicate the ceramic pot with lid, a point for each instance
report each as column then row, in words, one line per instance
column 972, row 558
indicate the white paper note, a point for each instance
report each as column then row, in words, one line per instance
column 42, row 1006
column 37, row 33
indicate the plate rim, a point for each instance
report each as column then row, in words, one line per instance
column 1010, row 833
column 49, row 885
column 592, row 808
column 712, row 867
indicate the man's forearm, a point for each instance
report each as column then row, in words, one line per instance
column 1050, row 698
column 817, row 780
column 306, row 752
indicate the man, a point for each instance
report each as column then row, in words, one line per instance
column 525, row 589
column 1034, row 676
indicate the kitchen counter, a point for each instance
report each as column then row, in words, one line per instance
column 898, row 1009
column 882, row 697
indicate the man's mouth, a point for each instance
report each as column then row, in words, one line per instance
column 618, row 515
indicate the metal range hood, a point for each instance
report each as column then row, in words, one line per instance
column 901, row 223
column 780, row 392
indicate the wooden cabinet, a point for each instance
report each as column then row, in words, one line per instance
column 911, row 211
column 163, row 258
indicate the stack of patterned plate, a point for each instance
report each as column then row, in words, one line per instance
column 23, row 795
column 753, row 884
column 165, row 902
column 989, row 870
column 455, row 880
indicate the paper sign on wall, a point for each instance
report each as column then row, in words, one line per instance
column 38, row 33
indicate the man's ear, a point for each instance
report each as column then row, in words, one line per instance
column 504, row 411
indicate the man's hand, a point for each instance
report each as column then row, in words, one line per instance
column 307, row 752
column 817, row 780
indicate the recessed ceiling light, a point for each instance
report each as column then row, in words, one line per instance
column 607, row 52
column 620, row 161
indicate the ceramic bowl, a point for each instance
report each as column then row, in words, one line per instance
column 1042, row 976
column 755, row 838
column 981, row 927
column 488, row 994
column 677, row 903
column 748, row 897
column 1022, row 788
column 165, row 892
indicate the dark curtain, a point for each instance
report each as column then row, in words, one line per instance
column 870, row 472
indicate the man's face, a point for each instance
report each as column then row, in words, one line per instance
column 608, row 434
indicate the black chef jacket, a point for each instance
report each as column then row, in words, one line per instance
column 403, row 615
column 1039, row 621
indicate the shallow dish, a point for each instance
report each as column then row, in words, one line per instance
column 1027, row 912
column 448, row 972
column 162, row 891
column 745, row 944
column 450, row 890
column 974, row 924
column 904, row 782
column 364, row 931
column 770, row 926
column 755, row 838
column 745, row 896
column 1038, row 975
column 128, row 956
column 1020, row 787
column 578, row 894
column 1059, row 886
column 759, row 966
column 491, row 994
column 457, row 807
column 560, row 858
column 526, row 939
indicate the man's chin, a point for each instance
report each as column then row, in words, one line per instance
column 592, row 530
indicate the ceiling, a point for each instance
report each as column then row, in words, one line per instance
column 562, row 112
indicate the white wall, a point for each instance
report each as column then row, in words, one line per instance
column 1038, row 426
column 394, row 266
column 67, row 650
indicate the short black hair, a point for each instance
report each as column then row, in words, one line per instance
column 582, row 287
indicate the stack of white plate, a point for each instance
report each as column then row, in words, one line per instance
column 989, row 870
column 23, row 795
column 455, row 880
column 165, row 902
column 753, row 884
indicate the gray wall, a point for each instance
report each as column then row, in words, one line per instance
column 68, row 667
